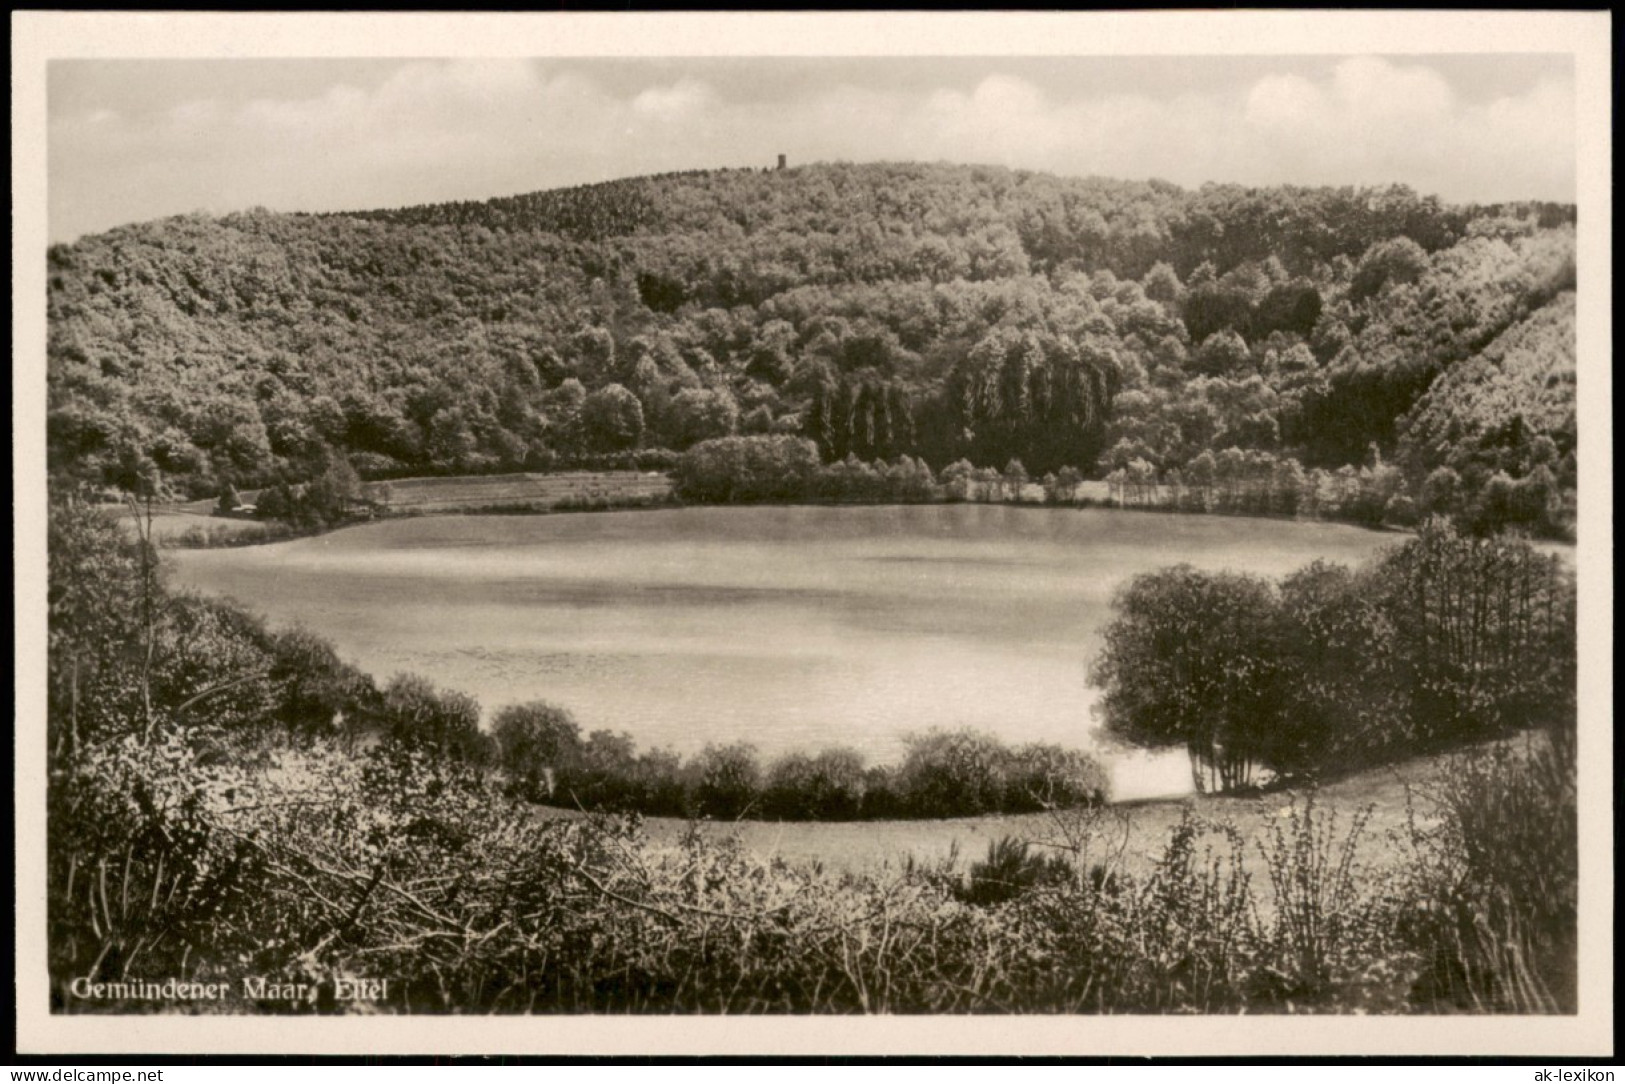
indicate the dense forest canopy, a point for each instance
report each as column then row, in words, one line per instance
column 934, row 311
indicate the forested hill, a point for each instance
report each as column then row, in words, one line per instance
column 938, row 311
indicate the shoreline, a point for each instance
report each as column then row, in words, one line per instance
column 246, row 536
column 1130, row 832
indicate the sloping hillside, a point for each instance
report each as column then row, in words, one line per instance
column 1509, row 408
column 938, row 311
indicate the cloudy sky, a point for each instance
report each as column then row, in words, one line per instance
column 136, row 139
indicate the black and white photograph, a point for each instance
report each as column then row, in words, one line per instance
column 609, row 522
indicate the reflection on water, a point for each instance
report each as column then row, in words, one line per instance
column 791, row 628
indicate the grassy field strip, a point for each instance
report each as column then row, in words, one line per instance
column 171, row 521
column 508, row 492
column 512, row 490
column 1140, row 829
column 460, row 492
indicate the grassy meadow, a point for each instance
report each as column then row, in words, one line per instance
column 1132, row 834
column 520, row 492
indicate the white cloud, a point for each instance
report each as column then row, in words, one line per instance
column 673, row 102
column 1285, row 103
column 1370, row 89
column 191, row 118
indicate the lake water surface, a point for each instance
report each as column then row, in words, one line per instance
column 790, row 628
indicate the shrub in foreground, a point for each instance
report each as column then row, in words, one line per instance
column 827, row 786
column 1499, row 877
column 533, row 741
column 727, row 780
column 953, row 773
column 1440, row 642
column 1011, row 868
column 446, row 722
